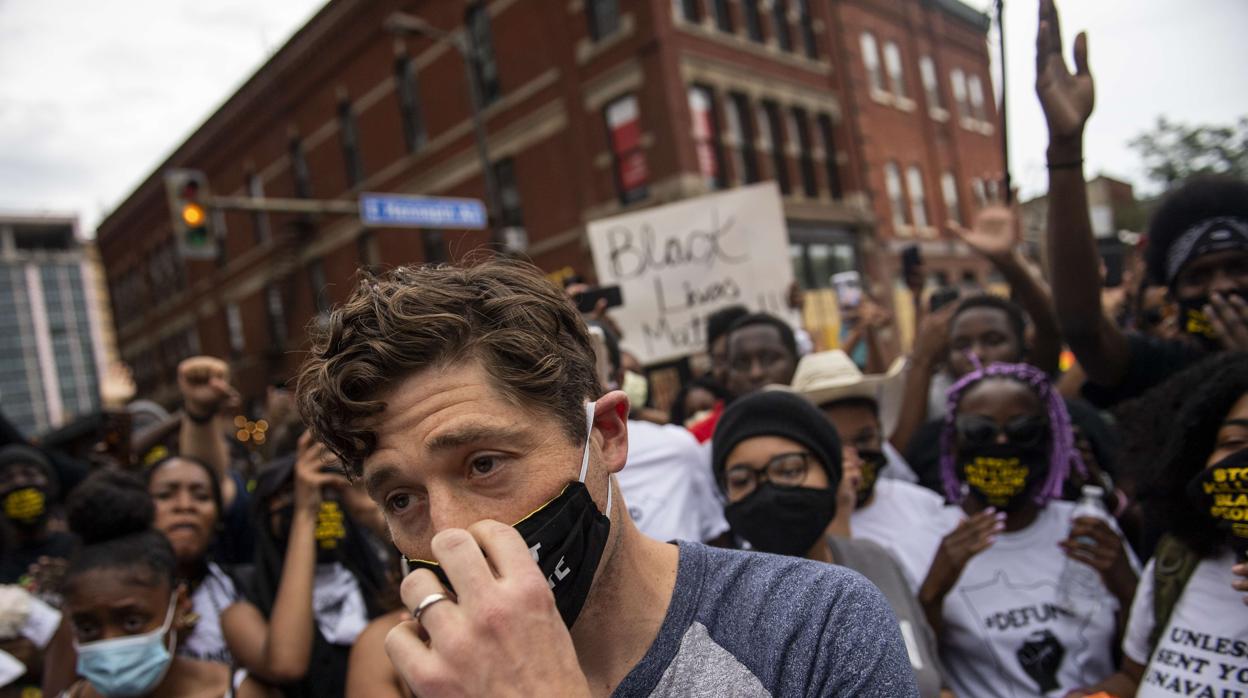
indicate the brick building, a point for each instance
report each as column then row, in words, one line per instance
column 593, row 107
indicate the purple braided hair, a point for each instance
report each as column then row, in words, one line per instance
column 1063, row 456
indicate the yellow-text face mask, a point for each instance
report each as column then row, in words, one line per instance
column 1220, row 492
column 26, row 506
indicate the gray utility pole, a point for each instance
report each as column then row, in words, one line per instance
column 402, row 23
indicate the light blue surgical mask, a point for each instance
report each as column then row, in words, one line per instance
column 128, row 666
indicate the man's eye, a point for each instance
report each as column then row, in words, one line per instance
column 484, row 465
column 398, row 502
column 134, row 624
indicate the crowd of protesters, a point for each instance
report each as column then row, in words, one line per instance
column 468, row 491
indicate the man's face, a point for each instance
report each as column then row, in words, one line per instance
column 757, row 357
column 451, row 451
column 986, row 333
column 856, row 424
column 1219, row 272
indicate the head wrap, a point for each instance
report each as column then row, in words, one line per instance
column 1206, row 237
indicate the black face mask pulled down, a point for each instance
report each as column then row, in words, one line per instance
column 1002, row 475
column 566, row 537
column 1194, row 322
column 1220, row 492
column 25, row 507
column 872, row 463
column 782, row 520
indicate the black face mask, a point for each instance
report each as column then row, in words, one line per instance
column 1194, row 322
column 566, row 537
column 872, row 463
column 26, row 507
column 782, row 520
column 1220, row 492
column 1003, row 475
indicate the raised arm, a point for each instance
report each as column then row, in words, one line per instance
column 931, row 344
column 995, row 235
column 1067, row 101
column 204, row 382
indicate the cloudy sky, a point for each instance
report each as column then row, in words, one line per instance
column 94, row 95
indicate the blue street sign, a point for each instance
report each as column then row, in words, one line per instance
column 397, row 211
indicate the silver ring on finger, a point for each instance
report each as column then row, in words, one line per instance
column 426, row 602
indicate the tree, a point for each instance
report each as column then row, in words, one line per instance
column 1172, row 151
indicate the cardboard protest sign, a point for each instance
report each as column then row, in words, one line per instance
column 677, row 264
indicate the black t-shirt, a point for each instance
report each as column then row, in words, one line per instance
column 16, row 564
column 236, row 541
column 1151, row 361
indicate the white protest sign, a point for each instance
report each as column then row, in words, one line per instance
column 677, row 264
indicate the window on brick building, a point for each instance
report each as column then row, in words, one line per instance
column 436, row 251
column 299, row 170
column 770, row 116
column 687, row 9
column 408, row 92
column 234, row 329
column 828, row 136
column 508, row 193
column 975, row 90
column 369, row 251
column 723, row 16
column 319, row 286
column 892, row 63
column 978, row 191
column 485, row 66
column 896, row 197
column 604, row 17
column 918, row 198
column 931, row 89
column 276, row 316
column 807, row 24
column 745, row 159
column 623, row 118
column 805, row 154
column 259, row 219
column 780, row 24
column 706, row 138
column 350, row 137
column 871, row 61
column 753, row 20
column 949, row 192
column 957, row 83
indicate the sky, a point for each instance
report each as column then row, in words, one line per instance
column 95, row 95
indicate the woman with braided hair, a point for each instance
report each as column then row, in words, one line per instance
column 991, row 593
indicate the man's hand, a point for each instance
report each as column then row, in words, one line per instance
column 1066, row 98
column 994, row 233
column 500, row 636
column 1229, row 317
column 1095, row 544
column 873, row 315
column 931, row 343
column 204, row 382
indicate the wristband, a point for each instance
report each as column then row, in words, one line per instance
column 1068, row 165
column 197, row 419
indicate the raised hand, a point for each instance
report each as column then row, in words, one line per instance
column 931, row 342
column 993, row 234
column 204, row 382
column 314, row 471
column 1066, row 98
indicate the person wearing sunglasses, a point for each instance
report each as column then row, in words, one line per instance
column 790, row 485
column 991, row 593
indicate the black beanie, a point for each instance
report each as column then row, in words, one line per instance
column 14, row 454
column 777, row 413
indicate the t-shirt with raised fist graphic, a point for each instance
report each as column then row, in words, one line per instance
column 1005, row 633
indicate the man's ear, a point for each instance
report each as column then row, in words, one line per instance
column 611, row 423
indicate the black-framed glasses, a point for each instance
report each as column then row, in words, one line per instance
column 977, row 430
column 784, row 470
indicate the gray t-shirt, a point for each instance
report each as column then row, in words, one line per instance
column 882, row 569
column 750, row 624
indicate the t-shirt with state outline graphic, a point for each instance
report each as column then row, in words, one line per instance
column 1204, row 649
column 1005, row 633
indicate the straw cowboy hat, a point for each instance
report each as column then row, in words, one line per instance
column 829, row 376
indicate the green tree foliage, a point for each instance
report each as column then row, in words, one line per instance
column 1172, row 151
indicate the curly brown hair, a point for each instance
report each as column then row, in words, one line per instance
column 527, row 336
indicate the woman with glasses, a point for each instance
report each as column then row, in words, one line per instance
column 778, row 462
column 991, row 594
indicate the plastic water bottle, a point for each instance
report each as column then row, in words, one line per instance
column 1079, row 587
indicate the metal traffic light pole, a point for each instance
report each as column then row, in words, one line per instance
column 403, row 23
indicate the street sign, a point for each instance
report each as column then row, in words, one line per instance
column 397, row 211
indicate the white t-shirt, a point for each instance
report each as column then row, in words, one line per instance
column 213, row 595
column 668, row 486
column 1005, row 634
column 897, row 468
column 1204, row 651
column 906, row 520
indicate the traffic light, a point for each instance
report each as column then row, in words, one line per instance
column 188, row 194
